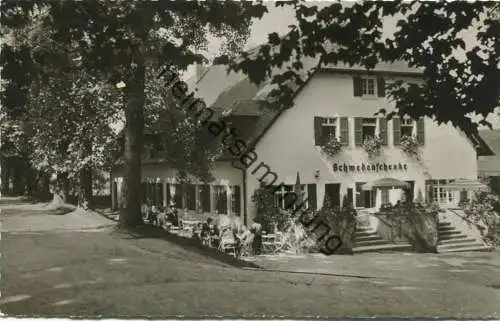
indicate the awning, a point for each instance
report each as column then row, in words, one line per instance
column 465, row 184
column 385, row 183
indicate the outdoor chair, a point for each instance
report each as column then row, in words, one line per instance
column 268, row 243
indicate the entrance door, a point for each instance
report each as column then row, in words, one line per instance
column 410, row 192
column 333, row 192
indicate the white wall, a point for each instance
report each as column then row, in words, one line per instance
column 288, row 146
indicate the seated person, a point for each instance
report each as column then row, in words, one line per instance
column 205, row 229
column 245, row 240
column 214, row 235
column 173, row 216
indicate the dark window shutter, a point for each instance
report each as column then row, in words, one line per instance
column 396, row 131
column 191, row 197
column 221, row 199
column 178, row 196
column 357, row 85
column 168, row 195
column 344, row 131
column 381, row 86
column 360, row 195
column 160, row 196
column 311, row 196
column 349, row 197
column 237, row 200
column 205, row 198
column 317, row 131
column 421, row 131
column 358, row 131
column 383, row 130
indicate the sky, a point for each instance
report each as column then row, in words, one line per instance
column 278, row 20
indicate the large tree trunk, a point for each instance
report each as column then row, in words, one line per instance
column 130, row 213
column 86, row 196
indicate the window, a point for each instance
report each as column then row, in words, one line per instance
column 178, row 196
column 235, row 200
column 286, row 199
column 204, row 198
column 368, row 86
column 220, row 196
column 328, row 128
column 407, row 127
column 443, row 195
column 369, row 128
column 385, row 196
column 191, row 197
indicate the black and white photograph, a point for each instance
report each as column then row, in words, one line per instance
column 250, row 159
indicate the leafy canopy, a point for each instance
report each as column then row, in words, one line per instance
column 428, row 36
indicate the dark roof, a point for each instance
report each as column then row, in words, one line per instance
column 490, row 165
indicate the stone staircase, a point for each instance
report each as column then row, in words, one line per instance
column 452, row 239
column 367, row 240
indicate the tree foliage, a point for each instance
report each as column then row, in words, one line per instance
column 428, row 36
column 117, row 41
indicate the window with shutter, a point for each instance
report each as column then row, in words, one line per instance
column 344, row 131
column 396, row 131
column 328, row 129
column 369, row 128
column 421, row 131
column 368, row 86
column 358, row 131
column 383, row 131
column 406, row 127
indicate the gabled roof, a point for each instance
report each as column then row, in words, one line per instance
column 490, row 165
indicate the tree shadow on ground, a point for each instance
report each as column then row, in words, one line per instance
column 152, row 232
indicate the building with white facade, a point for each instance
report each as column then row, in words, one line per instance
column 337, row 101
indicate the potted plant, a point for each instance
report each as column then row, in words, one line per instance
column 373, row 146
column 409, row 145
column 332, row 146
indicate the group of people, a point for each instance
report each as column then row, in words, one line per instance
column 244, row 241
column 247, row 241
column 159, row 216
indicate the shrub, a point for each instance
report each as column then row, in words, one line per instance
column 268, row 214
column 373, row 146
column 332, row 146
column 410, row 146
column 482, row 210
